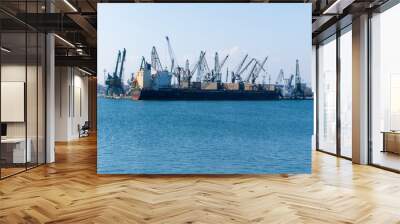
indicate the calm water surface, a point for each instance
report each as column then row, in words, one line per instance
column 191, row 137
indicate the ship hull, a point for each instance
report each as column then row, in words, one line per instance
column 192, row 94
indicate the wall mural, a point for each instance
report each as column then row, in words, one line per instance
column 204, row 88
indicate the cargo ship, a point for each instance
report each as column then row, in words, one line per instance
column 199, row 94
column 156, row 85
column 148, row 85
column 154, row 82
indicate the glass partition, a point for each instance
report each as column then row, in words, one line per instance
column 22, row 78
column 14, row 155
column 327, row 95
column 385, row 89
column 346, row 93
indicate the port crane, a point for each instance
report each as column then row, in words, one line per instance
column 122, row 64
column 155, row 60
column 104, row 75
column 188, row 73
column 131, row 83
column 288, row 82
column 206, row 73
column 255, row 76
column 235, row 75
column 297, row 74
column 216, row 72
column 280, row 78
column 195, row 68
column 298, row 89
column 282, row 81
column 255, row 71
column 287, row 88
column 203, row 72
column 114, row 82
column 176, row 70
column 171, row 54
column 238, row 76
column 187, row 70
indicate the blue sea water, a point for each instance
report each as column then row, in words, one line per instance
column 204, row 137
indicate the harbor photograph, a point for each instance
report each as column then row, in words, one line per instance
column 204, row 89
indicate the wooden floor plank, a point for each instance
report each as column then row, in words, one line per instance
column 70, row 191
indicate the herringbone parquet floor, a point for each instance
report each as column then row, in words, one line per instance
column 70, row 191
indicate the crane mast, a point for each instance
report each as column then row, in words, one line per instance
column 298, row 91
column 187, row 66
column 216, row 67
column 297, row 74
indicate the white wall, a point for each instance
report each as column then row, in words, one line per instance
column 14, row 72
column 17, row 73
column 71, row 102
column 33, row 126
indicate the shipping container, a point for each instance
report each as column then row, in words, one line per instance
column 231, row 86
column 270, row 87
column 196, row 85
column 248, row 87
column 184, row 84
column 209, row 85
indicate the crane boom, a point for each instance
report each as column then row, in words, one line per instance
column 171, row 55
column 241, row 64
column 257, row 72
column 280, row 77
column 289, row 82
column 196, row 66
column 263, row 63
column 222, row 63
column 122, row 63
column 245, row 67
column 155, row 60
column 117, row 64
column 252, row 71
column 205, row 67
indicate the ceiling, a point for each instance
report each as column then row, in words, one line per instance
column 75, row 21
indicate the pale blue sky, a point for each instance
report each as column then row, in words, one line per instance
column 280, row 31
